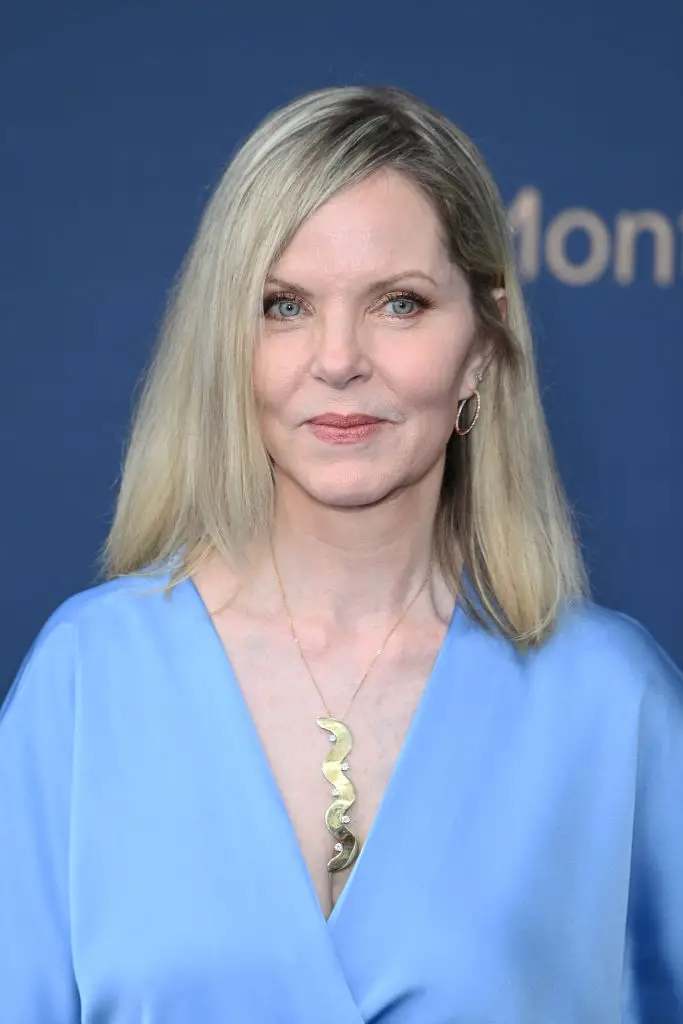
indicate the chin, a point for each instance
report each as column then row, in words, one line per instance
column 349, row 493
column 349, row 500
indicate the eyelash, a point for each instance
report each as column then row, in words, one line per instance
column 419, row 300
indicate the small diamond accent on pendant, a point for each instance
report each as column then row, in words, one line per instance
column 339, row 847
column 345, row 766
column 345, row 819
column 332, row 738
column 335, row 792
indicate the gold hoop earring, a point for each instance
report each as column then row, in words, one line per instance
column 458, row 431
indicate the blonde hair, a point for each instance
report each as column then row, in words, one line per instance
column 196, row 476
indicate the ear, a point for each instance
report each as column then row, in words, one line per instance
column 501, row 300
column 476, row 370
column 480, row 363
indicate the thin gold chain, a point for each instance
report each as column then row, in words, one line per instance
column 391, row 632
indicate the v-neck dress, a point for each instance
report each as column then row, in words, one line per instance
column 525, row 865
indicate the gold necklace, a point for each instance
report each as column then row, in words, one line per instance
column 335, row 764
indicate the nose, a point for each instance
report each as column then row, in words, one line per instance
column 339, row 356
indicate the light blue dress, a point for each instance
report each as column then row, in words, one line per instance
column 525, row 866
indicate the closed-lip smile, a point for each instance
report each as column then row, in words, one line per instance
column 342, row 420
column 351, row 428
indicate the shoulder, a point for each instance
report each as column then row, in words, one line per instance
column 593, row 631
column 599, row 642
column 111, row 613
column 97, row 620
column 106, row 601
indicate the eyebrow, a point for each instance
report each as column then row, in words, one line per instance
column 376, row 286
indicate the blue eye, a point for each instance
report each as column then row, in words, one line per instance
column 408, row 305
column 286, row 308
column 402, row 300
column 282, row 306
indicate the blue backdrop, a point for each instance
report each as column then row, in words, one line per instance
column 117, row 119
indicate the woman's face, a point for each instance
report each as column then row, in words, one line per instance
column 367, row 347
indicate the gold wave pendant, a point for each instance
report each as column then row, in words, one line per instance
column 337, row 818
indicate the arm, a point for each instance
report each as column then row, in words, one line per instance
column 37, row 985
column 655, row 920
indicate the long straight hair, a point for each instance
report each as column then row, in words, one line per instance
column 196, row 477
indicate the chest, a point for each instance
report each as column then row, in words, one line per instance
column 474, row 897
column 284, row 704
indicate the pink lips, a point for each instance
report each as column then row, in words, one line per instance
column 335, row 428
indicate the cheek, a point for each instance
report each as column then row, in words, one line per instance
column 273, row 381
column 429, row 380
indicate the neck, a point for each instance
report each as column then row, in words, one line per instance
column 343, row 566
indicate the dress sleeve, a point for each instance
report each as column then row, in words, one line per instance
column 37, row 984
column 655, row 917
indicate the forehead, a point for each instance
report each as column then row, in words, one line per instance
column 379, row 226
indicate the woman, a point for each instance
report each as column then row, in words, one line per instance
column 343, row 737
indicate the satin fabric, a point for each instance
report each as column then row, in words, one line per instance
column 525, row 865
